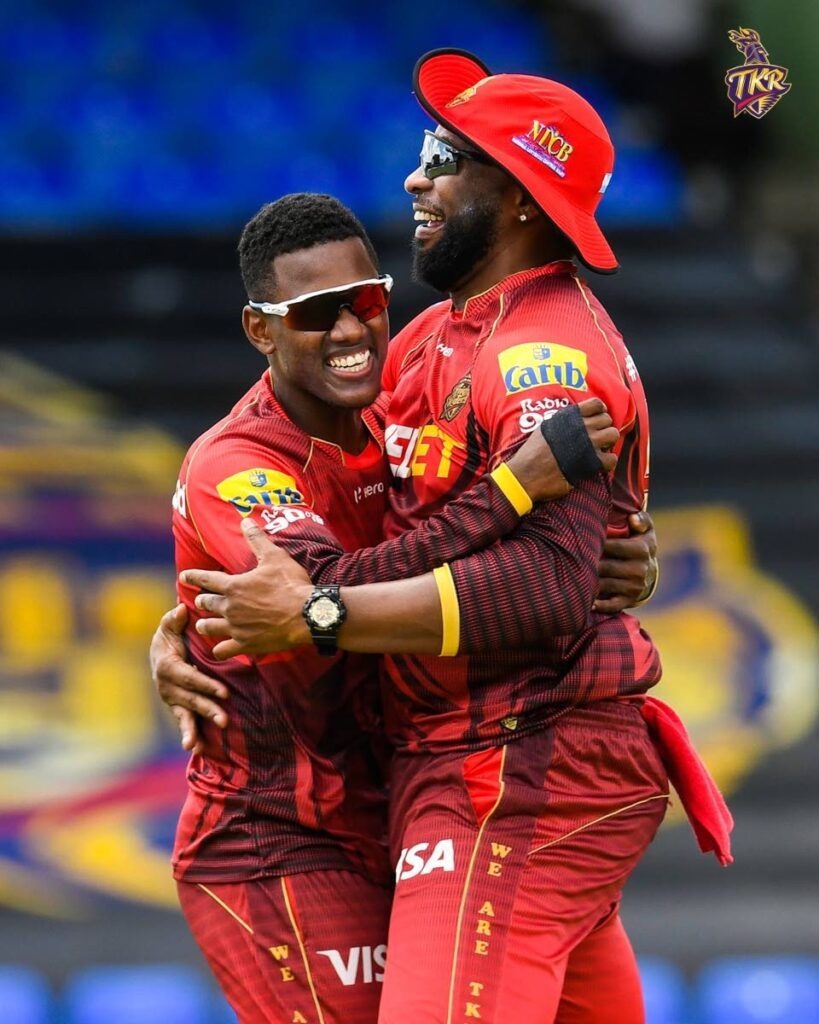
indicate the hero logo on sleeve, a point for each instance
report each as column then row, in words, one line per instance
column 253, row 487
column 538, row 364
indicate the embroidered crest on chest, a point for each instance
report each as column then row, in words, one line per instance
column 457, row 398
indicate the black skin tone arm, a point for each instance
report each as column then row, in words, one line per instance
column 627, row 573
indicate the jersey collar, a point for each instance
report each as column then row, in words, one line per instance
column 373, row 450
column 476, row 305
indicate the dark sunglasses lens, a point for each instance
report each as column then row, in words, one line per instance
column 437, row 158
column 369, row 301
column 321, row 312
column 316, row 314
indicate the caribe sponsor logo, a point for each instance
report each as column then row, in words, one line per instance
column 414, row 861
column 360, row 960
column 546, row 144
column 535, row 365
column 253, row 487
column 756, row 86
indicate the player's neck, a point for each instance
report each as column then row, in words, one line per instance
column 510, row 255
column 343, row 427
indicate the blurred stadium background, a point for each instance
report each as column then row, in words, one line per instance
column 135, row 140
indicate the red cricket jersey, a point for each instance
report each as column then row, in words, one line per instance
column 292, row 784
column 288, row 786
column 466, row 387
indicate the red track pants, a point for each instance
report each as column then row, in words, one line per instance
column 510, row 867
column 304, row 949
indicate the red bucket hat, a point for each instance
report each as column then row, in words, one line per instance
column 545, row 136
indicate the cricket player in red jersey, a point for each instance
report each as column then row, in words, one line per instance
column 531, row 769
column 279, row 854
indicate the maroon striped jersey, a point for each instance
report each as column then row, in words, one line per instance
column 466, row 387
column 293, row 783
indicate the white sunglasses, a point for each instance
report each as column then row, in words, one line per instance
column 318, row 311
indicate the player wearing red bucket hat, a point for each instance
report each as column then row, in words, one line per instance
column 543, row 134
column 527, row 783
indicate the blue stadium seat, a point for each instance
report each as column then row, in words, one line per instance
column 138, row 995
column 760, row 990
column 664, row 990
column 252, row 101
column 25, row 997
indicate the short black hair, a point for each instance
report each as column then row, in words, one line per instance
column 296, row 221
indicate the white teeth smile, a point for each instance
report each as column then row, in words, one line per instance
column 424, row 216
column 349, row 364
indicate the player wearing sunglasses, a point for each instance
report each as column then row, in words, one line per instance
column 279, row 855
column 530, row 772
column 318, row 311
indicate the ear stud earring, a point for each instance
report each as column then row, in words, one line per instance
column 523, row 216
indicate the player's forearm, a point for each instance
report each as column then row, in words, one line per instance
column 541, row 581
column 401, row 617
column 478, row 517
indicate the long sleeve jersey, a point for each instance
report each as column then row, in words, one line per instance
column 292, row 784
column 466, row 386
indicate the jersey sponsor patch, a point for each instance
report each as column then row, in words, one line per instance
column 536, row 410
column 254, row 487
column 419, row 451
column 540, row 363
column 370, row 491
column 280, row 517
column 420, row 859
column 359, row 963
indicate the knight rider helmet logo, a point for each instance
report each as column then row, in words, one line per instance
column 756, row 86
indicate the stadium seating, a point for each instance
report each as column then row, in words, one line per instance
column 760, row 990
column 172, row 119
column 138, row 995
column 665, row 991
column 734, row 990
column 25, row 997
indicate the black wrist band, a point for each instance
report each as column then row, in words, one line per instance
column 566, row 435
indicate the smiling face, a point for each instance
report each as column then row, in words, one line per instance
column 477, row 225
column 458, row 217
column 315, row 373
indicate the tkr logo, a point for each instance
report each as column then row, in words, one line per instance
column 413, row 860
column 361, row 960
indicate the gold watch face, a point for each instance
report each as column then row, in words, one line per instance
column 324, row 613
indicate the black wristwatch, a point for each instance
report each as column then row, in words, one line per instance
column 324, row 612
